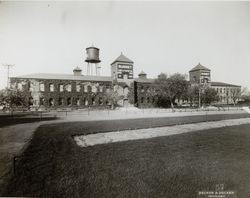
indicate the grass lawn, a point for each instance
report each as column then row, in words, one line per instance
column 175, row 166
column 7, row 120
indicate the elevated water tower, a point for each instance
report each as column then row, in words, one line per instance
column 93, row 60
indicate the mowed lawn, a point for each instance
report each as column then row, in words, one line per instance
column 175, row 166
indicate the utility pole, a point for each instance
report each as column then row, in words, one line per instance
column 8, row 66
column 199, row 97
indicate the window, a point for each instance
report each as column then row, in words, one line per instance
column 31, row 102
column 68, row 87
column 125, row 76
column 41, row 86
column 93, row 100
column 51, row 87
column 42, row 101
column 51, row 102
column 60, row 101
column 78, row 88
column 142, row 89
column 149, row 89
column 20, row 86
column 142, row 100
column 100, row 101
column 86, row 102
column 101, row 89
column 85, row 88
column 61, row 88
column 148, row 100
column 30, row 85
column 94, row 89
column 77, row 101
column 125, row 90
column 68, row 101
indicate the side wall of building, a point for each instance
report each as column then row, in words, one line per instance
column 227, row 94
column 144, row 95
column 63, row 93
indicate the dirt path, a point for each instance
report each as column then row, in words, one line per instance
column 120, row 136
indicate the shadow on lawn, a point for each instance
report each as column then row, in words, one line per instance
column 8, row 120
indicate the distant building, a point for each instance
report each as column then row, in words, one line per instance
column 64, row 90
column 122, row 69
column 144, row 91
column 202, row 75
column 78, row 90
column 227, row 92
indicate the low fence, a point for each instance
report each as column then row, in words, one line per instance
column 107, row 111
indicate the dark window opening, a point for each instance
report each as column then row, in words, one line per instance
column 60, row 101
column 42, row 101
column 69, row 101
column 51, row 102
column 100, row 101
column 148, row 100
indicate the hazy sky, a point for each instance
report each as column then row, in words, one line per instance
column 51, row 37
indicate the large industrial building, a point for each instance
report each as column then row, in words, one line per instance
column 78, row 90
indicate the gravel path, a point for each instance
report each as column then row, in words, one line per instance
column 119, row 136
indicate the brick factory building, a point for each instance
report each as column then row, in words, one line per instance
column 80, row 91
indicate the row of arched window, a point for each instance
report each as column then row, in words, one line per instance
column 226, row 90
column 68, row 88
column 70, row 101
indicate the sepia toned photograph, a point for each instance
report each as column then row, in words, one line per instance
column 125, row 99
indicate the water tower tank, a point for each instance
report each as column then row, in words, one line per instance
column 92, row 55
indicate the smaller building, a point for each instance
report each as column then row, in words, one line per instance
column 200, row 74
column 122, row 69
column 144, row 91
column 228, row 93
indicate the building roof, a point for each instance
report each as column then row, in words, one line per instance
column 142, row 73
column 144, row 80
column 65, row 77
column 199, row 67
column 77, row 69
column 221, row 84
column 122, row 58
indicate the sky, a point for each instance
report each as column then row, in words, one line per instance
column 169, row 37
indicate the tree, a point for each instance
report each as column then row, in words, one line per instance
column 12, row 98
column 236, row 94
column 172, row 88
column 245, row 95
column 131, row 92
column 112, row 96
column 209, row 95
column 192, row 94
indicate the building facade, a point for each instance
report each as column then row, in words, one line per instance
column 228, row 93
column 59, row 90
column 80, row 91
